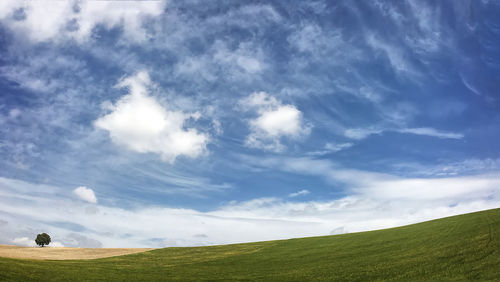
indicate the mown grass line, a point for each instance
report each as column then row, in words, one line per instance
column 464, row 247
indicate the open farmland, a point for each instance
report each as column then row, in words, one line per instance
column 55, row 253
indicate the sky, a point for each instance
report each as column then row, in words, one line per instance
column 187, row 123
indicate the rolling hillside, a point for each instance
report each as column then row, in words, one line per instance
column 465, row 247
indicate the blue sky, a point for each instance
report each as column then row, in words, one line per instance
column 187, row 123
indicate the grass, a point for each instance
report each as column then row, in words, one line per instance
column 464, row 247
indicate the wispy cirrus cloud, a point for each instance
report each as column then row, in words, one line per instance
column 299, row 193
column 331, row 148
column 361, row 133
column 432, row 132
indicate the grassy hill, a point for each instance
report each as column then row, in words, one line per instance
column 465, row 247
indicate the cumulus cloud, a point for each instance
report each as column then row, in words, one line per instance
column 299, row 193
column 275, row 120
column 85, row 194
column 39, row 20
column 140, row 123
column 46, row 20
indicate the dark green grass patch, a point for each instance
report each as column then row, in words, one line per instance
column 465, row 247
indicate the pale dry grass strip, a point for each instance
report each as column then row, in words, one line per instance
column 63, row 253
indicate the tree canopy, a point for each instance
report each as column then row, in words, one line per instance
column 42, row 239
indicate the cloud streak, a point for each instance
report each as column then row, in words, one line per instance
column 299, row 193
column 362, row 133
column 426, row 131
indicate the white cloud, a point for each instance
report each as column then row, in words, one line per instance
column 312, row 38
column 140, row 123
column 337, row 147
column 443, row 168
column 284, row 120
column 275, row 121
column 428, row 189
column 246, row 16
column 361, row 133
column 339, row 230
column 128, row 14
column 78, row 240
column 8, row 6
column 394, row 54
column 388, row 187
column 422, row 29
column 428, row 20
column 24, row 241
column 302, row 192
column 85, row 194
column 249, row 64
column 247, row 58
column 372, row 207
column 331, row 148
column 46, row 20
column 244, row 63
column 56, row 245
column 330, row 171
column 41, row 20
column 200, row 66
column 315, row 43
column 432, row 132
column 14, row 113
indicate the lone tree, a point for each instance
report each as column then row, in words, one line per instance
column 42, row 239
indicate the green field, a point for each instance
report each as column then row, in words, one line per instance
column 465, row 247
